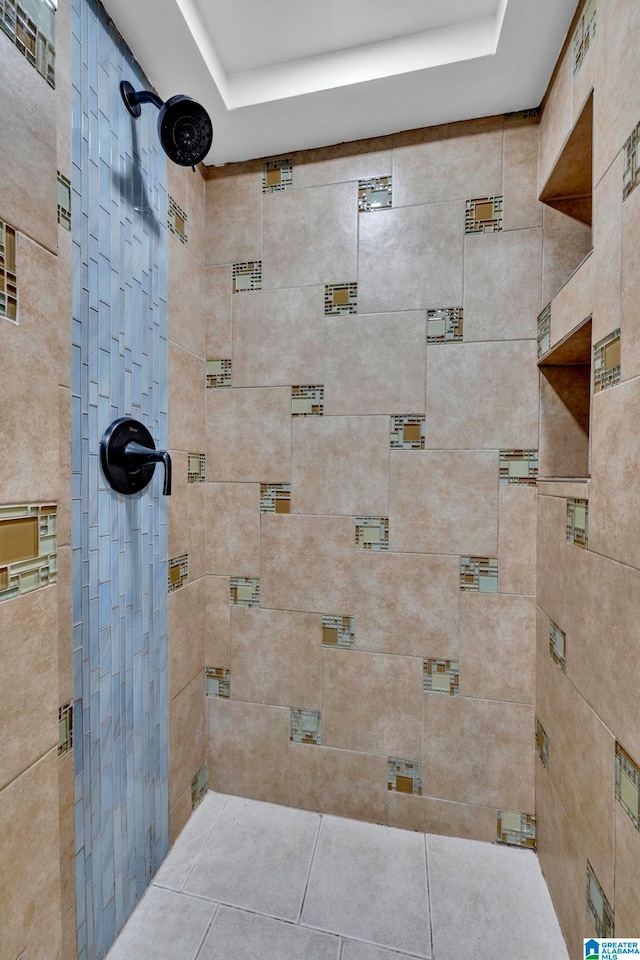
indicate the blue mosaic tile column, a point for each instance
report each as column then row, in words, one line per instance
column 119, row 543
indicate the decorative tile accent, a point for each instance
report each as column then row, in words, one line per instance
column 407, row 432
column 216, row 682
column 598, row 907
column 64, row 201
column 606, row 362
column 517, row 829
column 307, row 401
column 444, row 325
column 372, row 533
column 479, row 574
column 583, row 36
column 542, row 744
column 374, row 194
column 277, row 175
column 65, row 729
column 177, row 220
column 275, row 498
column 31, row 26
column 338, row 632
column 544, row 330
column 178, row 572
column 441, row 676
column 247, row 276
column 405, row 776
column 28, row 548
column 340, row 299
column 515, row 116
column 305, row 726
column 484, row 215
column 558, row 646
column 245, row 592
column 578, row 522
column 8, row 277
column 199, row 786
column 631, row 172
column 218, row 373
column 519, row 468
column 196, row 467
column 628, row 784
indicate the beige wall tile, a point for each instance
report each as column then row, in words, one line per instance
column 186, row 621
column 497, row 647
column 249, row 434
column 197, row 530
column 608, row 266
column 340, row 465
column 63, row 87
column 564, row 421
column 517, row 518
column 186, row 400
column 552, row 560
column 218, row 622
column 565, row 245
column 555, row 121
column 375, row 364
column 306, row 563
column 310, row 236
column 339, row 782
column 67, row 837
column 218, row 286
column 627, row 873
column 187, row 526
column 442, row 817
column 372, row 703
column 248, row 749
column 574, row 301
column 187, row 740
column 495, row 401
column 278, row 337
column 522, row 208
column 502, row 285
column 578, row 490
column 29, row 679
column 444, row 502
column 276, row 657
column 411, row 258
column 62, row 319
column 630, row 282
column 233, row 529
column 197, row 231
column 356, row 160
column 407, row 604
column 233, row 214
column 69, row 936
column 179, row 813
column 186, row 303
column 177, row 184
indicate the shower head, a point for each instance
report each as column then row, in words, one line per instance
column 184, row 126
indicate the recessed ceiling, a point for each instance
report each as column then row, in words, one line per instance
column 283, row 76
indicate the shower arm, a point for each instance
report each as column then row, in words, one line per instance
column 133, row 98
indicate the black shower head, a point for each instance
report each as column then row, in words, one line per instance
column 184, row 126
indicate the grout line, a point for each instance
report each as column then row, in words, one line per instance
column 207, row 838
column 429, row 905
column 306, row 885
column 206, row 933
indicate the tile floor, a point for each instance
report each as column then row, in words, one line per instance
column 255, row 881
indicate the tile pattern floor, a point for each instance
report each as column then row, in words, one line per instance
column 254, row 881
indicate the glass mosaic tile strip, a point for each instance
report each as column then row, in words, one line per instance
column 338, row 632
column 65, row 729
column 606, row 362
column 558, row 646
column 30, row 25
column 578, row 522
column 372, row 533
column 178, row 572
column 519, row 468
column 441, row 676
column 275, row 498
column 407, row 432
column 542, row 744
column 216, row 682
column 628, row 785
column 196, row 467
column 28, row 548
column 584, row 35
column 516, row 829
column 305, row 726
column 404, row 776
column 544, row 330
column 8, row 276
column 631, row 171
column 374, row 194
column 484, row 215
column 479, row 574
column 515, row 116
column 244, row 592
column 277, row 175
column 340, row 299
column 64, row 201
column 177, row 220
column 199, row 786
column 218, row 373
column 445, row 325
column 247, row 276
column 307, row 401
column 598, row 907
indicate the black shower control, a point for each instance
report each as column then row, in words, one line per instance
column 129, row 457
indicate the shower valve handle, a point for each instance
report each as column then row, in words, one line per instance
column 129, row 457
column 137, row 454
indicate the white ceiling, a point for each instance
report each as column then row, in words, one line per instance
column 286, row 75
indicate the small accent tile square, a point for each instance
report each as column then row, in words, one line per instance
column 244, row 592
column 542, row 744
column 338, row 632
column 516, row 829
column 374, row 194
column 407, row 432
column 606, row 362
column 177, row 220
column 8, row 275
column 277, row 175
column 178, row 572
column 218, row 373
column 445, row 325
column 441, row 676
column 479, row 574
column 216, row 682
column 247, row 276
column 65, row 729
column 544, row 330
column 518, row 468
column 578, row 522
column 199, row 787
column 516, row 116
column 275, row 498
column 404, row 776
column 631, row 171
column 196, row 467
column 32, row 29
column 340, row 299
column 28, row 548
column 372, row 533
column 558, row 646
column 628, row 785
column 305, row 726
column 484, row 215
column 584, row 35
column 307, row 400
column 64, row 201
column 598, row 907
